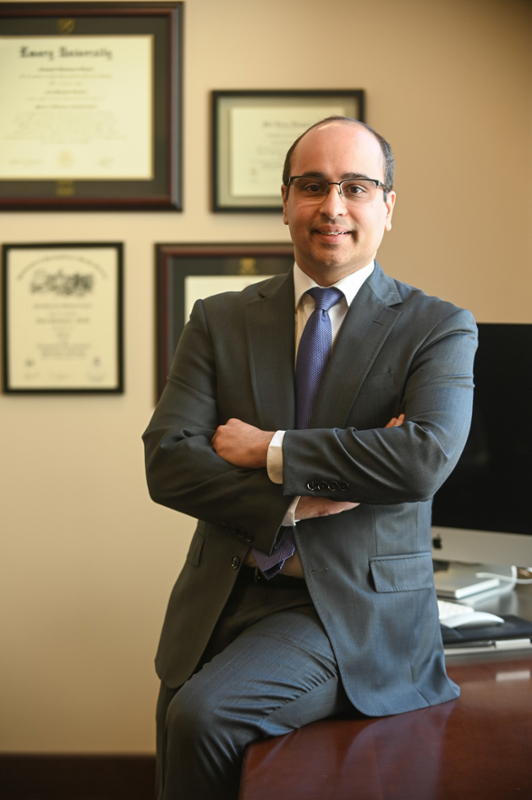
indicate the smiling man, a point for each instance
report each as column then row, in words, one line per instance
column 332, row 236
column 306, row 424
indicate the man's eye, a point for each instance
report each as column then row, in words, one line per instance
column 354, row 188
column 313, row 188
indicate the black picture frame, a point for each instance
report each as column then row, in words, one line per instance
column 181, row 267
column 243, row 156
column 162, row 22
column 63, row 319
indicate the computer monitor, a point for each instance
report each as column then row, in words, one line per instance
column 483, row 512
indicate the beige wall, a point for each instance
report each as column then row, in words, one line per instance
column 87, row 560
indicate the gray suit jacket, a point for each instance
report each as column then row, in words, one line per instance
column 369, row 570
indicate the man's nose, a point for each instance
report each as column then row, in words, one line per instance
column 333, row 204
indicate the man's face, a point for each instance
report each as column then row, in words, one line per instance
column 333, row 239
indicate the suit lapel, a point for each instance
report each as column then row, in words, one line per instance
column 270, row 326
column 270, row 320
column 366, row 327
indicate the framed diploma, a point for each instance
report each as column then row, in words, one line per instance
column 90, row 106
column 63, row 318
column 189, row 272
column 253, row 131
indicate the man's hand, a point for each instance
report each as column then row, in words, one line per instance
column 241, row 444
column 309, row 507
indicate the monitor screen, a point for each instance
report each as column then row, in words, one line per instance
column 490, row 490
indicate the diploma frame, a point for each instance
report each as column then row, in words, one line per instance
column 230, row 166
column 216, row 268
column 163, row 23
column 97, row 304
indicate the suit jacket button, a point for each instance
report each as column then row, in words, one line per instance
column 323, row 486
column 249, row 538
column 334, row 486
column 235, row 563
column 312, row 485
column 344, row 486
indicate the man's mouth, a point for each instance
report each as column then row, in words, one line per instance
column 334, row 233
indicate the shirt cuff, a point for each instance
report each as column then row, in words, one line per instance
column 274, row 458
column 274, row 467
column 290, row 516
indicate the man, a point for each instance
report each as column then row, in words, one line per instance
column 342, row 499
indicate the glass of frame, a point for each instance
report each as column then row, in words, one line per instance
column 63, row 329
column 251, row 134
column 189, row 272
column 90, row 106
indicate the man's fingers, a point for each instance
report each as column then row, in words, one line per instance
column 311, row 507
column 241, row 444
column 395, row 422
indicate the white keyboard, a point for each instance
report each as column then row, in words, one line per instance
column 447, row 609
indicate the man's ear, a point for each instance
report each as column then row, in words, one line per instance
column 284, row 192
column 390, row 205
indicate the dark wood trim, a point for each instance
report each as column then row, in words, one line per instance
column 30, row 776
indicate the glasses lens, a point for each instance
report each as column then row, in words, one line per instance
column 359, row 191
column 314, row 190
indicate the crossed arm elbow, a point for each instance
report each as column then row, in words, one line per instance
column 425, row 473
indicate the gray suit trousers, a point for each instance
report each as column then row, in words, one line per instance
column 269, row 668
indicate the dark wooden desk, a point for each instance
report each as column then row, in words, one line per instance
column 478, row 747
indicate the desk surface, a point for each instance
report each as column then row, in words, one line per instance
column 478, row 747
column 518, row 602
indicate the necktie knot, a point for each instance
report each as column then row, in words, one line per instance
column 325, row 298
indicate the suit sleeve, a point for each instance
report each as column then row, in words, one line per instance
column 404, row 464
column 184, row 472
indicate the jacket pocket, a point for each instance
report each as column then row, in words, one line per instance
column 404, row 573
column 194, row 551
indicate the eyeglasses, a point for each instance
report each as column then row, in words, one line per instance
column 310, row 189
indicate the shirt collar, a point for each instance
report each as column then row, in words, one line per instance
column 348, row 285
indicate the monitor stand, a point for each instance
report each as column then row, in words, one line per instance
column 460, row 582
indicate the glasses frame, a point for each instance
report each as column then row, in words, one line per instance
column 377, row 183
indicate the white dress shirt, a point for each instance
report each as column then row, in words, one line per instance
column 304, row 306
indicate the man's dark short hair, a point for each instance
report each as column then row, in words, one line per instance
column 385, row 147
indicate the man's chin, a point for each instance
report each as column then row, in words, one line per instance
column 335, row 256
column 326, row 271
